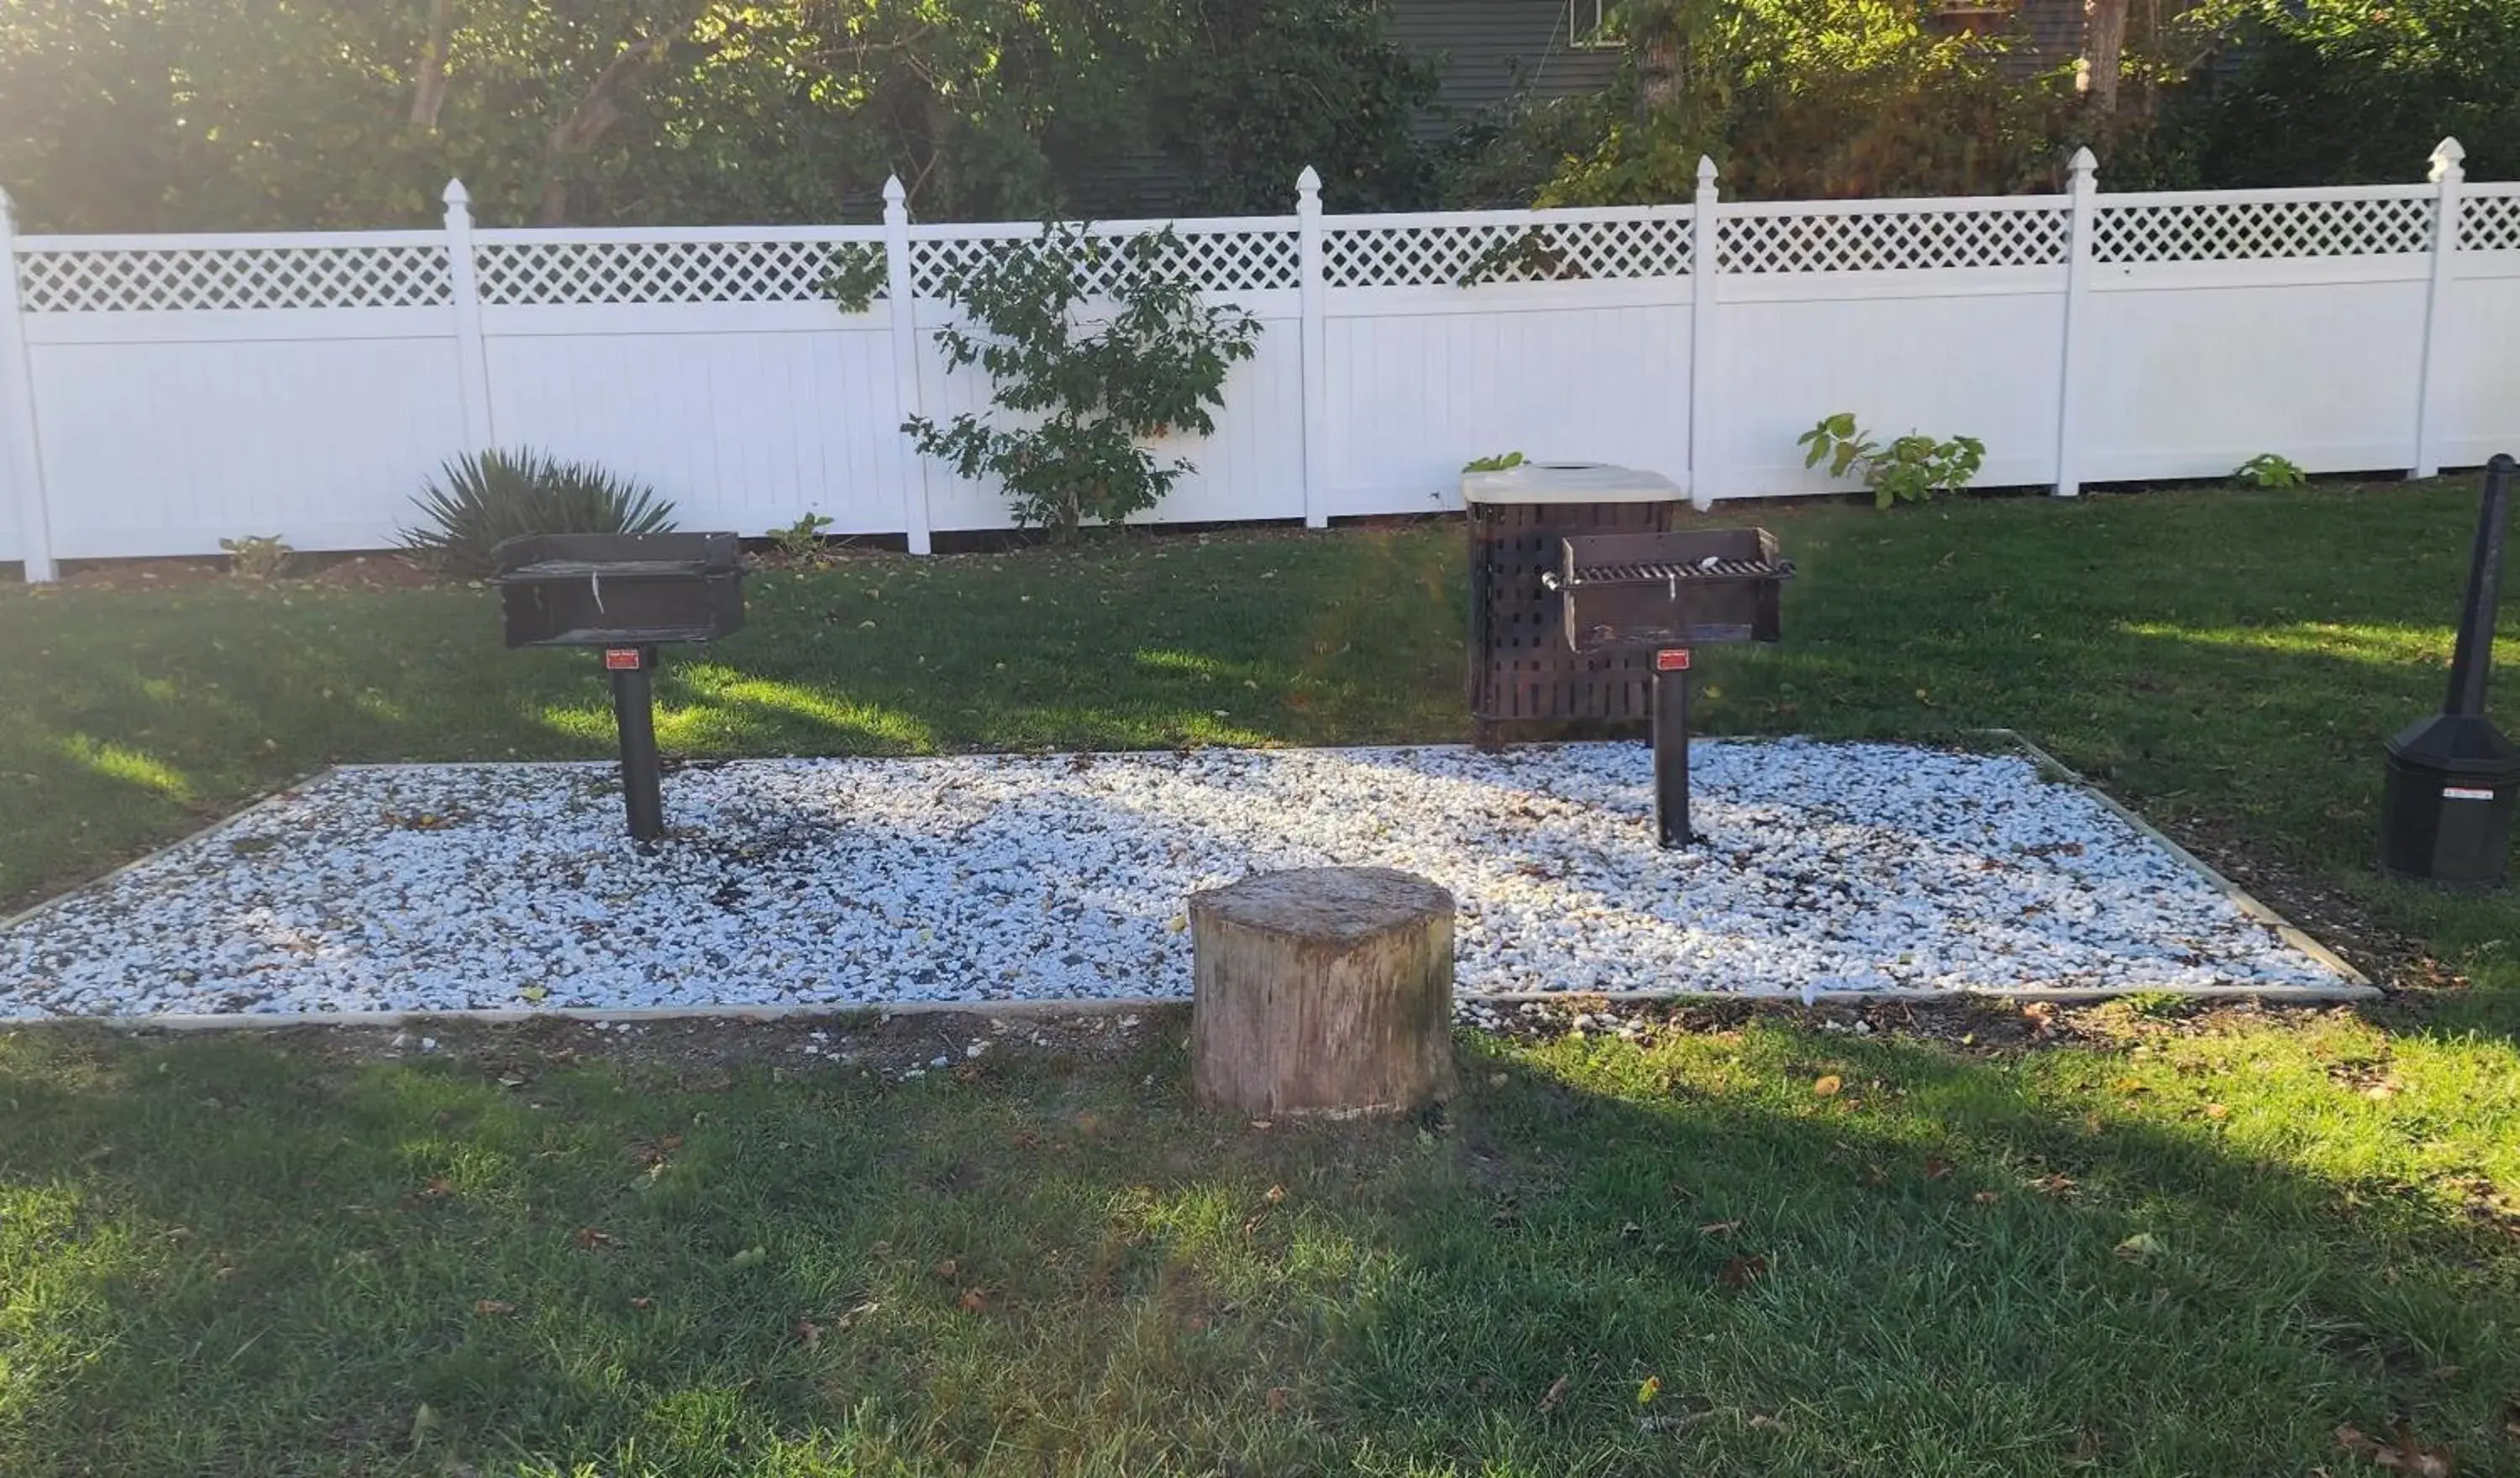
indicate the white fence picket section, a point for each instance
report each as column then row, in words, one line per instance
column 159, row 393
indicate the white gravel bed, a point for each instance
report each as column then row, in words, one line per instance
column 1821, row 868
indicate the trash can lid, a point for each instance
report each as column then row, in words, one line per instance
column 1570, row 482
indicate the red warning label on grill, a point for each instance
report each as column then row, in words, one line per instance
column 1676, row 660
column 621, row 659
column 2463, row 792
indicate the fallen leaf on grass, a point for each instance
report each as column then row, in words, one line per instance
column 1828, row 1086
column 1646, row 1392
column 1874, row 1174
column 947, row 1270
column 2217, row 1111
column 2054, row 1185
column 423, row 1422
column 438, row 1186
column 1987, row 1197
column 589, row 1238
column 1274, row 1194
column 1276, row 1397
column 1719, row 1229
column 2405, row 1455
column 1557, row 1394
column 493, row 1306
column 808, row 1334
column 974, row 1301
column 1936, row 1167
column 2142, row 1245
column 643, row 1302
column 2133, row 1086
column 1742, row 1271
column 750, row 1257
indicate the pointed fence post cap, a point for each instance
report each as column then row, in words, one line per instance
column 1310, row 181
column 1706, row 170
column 893, row 192
column 8, row 211
column 2085, row 162
column 454, row 194
column 2447, row 155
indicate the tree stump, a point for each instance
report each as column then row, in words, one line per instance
column 1323, row 991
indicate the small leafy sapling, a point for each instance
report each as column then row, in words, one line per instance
column 2268, row 469
column 256, row 556
column 1501, row 463
column 1911, row 468
column 1093, row 348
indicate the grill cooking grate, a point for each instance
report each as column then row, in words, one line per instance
column 1706, row 569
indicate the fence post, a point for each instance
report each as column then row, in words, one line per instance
column 900, row 293
column 471, row 358
column 1313, row 277
column 2079, row 230
column 2450, row 178
column 18, row 411
column 1704, row 265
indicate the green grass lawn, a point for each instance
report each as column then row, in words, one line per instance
column 2161, row 1245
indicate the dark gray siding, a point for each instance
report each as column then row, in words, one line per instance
column 1492, row 46
column 2045, row 35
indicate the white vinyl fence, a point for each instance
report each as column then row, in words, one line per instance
column 159, row 393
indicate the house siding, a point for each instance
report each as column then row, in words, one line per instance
column 2046, row 34
column 1492, row 47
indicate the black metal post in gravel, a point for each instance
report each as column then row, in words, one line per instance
column 1671, row 748
column 2454, row 779
column 634, row 713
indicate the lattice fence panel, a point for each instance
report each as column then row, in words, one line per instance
column 180, row 278
column 1893, row 242
column 1426, row 256
column 561, row 271
column 2261, row 230
column 2489, row 223
column 1218, row 261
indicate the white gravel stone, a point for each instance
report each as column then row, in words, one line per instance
column 1831, row 867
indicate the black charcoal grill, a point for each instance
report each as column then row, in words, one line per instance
column 1663, row 594
column 627, row 594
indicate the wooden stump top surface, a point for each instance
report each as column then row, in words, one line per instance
column 1339, row 903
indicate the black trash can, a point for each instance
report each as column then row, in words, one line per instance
column 2446, row 805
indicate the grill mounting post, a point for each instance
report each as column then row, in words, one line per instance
column 633, row 714
column 1671, row 748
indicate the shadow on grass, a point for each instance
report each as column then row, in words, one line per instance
column 232, row 1257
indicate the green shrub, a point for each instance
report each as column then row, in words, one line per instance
column 484, row 497
column 2268, row 469
column 802, row 538
column 1910, row 469
column 256, row 556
